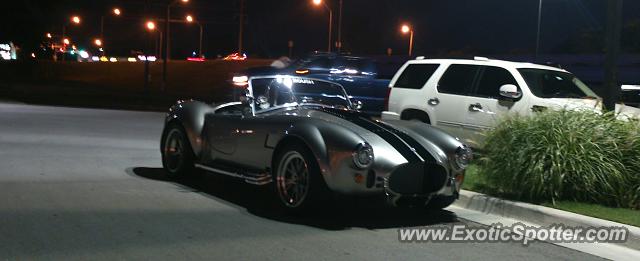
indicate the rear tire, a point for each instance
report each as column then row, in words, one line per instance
column 177, row 155
column 415, row 115
column 297, row 179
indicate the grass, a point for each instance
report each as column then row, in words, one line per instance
column 621, row 215
column 472, row 179
column 473, row 182
column 564, row 155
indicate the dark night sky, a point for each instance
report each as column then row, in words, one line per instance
column 369, row 26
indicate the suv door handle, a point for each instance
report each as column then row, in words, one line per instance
column 433, row 101
column 475, row 107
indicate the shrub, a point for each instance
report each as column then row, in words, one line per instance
column 565, row 155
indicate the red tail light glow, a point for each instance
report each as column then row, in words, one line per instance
column 386, row 99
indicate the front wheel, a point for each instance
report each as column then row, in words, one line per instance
column 177, row 155
column 297, row 178
column 440, row 202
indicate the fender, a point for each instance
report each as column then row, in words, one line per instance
column 319, row 136
column 190, row 115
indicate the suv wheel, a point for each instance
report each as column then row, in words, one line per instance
column 415, row 115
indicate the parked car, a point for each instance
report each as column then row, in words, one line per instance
column 235, row 57
column 304, row 136
column 358, row 75
column 467, row 97
column 630, row 95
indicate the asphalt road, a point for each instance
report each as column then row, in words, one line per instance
column 87, row 184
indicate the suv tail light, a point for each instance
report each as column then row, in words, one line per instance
column 386, row 99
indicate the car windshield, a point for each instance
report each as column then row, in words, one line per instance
column 556, row 84
column 274, row 92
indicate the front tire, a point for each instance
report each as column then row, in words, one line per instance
column 440, row 202
column 297, row 178
column 177, row 154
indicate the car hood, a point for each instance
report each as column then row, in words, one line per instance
column 406, row 137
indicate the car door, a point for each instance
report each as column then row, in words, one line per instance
column 485, row 107
column 219, row 133
column 447, row 104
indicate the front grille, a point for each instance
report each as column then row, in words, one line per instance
column 417, row 178
column 435, row 177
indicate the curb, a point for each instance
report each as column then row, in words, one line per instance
column 540, row 215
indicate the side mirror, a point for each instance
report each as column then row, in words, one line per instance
column 357, row 104
column 510, row 91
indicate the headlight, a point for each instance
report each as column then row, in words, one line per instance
column 463, row 157
column 363, row 156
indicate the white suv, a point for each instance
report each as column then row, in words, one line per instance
column 466, row 97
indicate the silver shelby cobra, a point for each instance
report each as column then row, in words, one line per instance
column 305, row 136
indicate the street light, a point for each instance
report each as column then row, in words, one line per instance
column 49, row 35
column 167, row 45
column 167, row 21
column 117, row 12
column 74, row 19
column 190, row 19
column 97, row 42
column 407, row 29
column 151, row 25
column 66, row 41
column 318, row 3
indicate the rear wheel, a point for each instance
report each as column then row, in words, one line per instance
column 297, row 178
column 415, row 115
column 177, row 155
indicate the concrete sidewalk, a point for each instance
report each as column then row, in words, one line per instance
column 540, row 215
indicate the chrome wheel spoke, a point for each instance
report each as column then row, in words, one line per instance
column 174, row 150
column 292, row 179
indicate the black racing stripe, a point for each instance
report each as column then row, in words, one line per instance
column 384, row 133
column 409, row 140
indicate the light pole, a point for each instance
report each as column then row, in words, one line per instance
column 167, row 44
column 116, row 11
column 320, row 2
column 75, row 20
column 240, row 27
column 151, row 26
column 190, row 19
column 407, row 29
column 339, row 44
column 538, row 31
column 613, row 31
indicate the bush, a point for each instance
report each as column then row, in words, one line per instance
column 565, row 155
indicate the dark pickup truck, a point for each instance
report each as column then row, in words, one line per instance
column 358, row 75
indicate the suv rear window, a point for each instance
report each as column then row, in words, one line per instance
column 415, row 76
column 492, row 79
column 458, row 79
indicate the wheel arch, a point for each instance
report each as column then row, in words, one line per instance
column 411, row 113
column 190, row 115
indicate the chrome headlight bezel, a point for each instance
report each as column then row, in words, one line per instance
column 462, row 157
column 363, row 156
